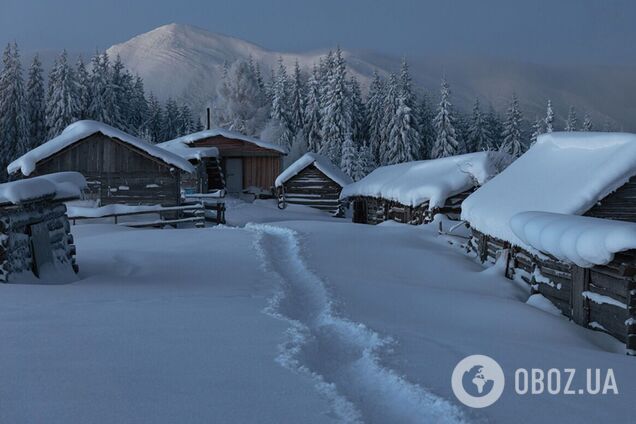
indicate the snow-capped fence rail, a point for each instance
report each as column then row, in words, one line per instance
column 173, row 215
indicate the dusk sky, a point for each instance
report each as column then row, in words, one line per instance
column 564, row 31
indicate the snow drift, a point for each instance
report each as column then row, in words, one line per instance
column 582, row 240
column 562, row 173
column 414, row 183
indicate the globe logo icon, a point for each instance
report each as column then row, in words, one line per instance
column 478, row 381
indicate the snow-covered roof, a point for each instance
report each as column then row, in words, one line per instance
column 58, row 186
column 80, row 130
column 562, row 173
column 583, row 240
column 413, row 183
column 181, row 148
column 322, row 163
column 191, row 138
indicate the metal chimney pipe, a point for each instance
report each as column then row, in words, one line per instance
column 208, row 110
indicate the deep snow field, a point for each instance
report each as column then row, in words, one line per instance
column 284, row 321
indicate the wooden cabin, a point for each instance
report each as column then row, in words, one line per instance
column 414, row 192
column 588, row 174
column 246, row 163
column 208, row 176
column 312, row 181
column 36, row 244
column 118, row 167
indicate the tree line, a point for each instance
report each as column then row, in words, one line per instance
column 32, row 111
column 323, row 110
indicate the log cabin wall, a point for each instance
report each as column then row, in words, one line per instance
column 260, row 165
column 19, row 252
column 311, row 187
column 619, row 205
column 602, row 297
column 374, row 210
column 117, row 172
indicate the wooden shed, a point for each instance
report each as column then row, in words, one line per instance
column 586, row 174
column 312, row 181
column 36, row 244
column 118, row 167
column 247, row 163
column 414, row 192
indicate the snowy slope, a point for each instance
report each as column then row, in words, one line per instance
column 184, row 62
column 196, row 57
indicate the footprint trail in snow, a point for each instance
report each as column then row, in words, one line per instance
column 340, row 355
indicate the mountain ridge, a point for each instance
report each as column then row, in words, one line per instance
column 184, row 62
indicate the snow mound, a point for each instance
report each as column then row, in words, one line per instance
column 322, row 163
column 180, row 148
column 414, row 183
column 80, row 130
column 191, row 138
column 582, row 240
column 562, row 173
column 59, row 186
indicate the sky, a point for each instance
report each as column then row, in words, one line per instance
column 540, row 31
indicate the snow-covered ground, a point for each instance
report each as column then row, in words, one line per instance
column 315, row 320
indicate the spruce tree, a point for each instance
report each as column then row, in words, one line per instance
column 241, row 104
column 375, row 114
column 403, row 141
column 349, row 157
column 186, row 123
column 570, row 124
column 103, row 106
column 139, row 113
column 538, row 128
column 389, row 110
column 358, row 112
column 427, row 128
column 62, row 105
column 495, row 126
column 549, row 118
column 279, row 129
column 587, row 123
column 478, row 133
column 446, row 143
column 171, row 127
column 511, row 134
column 35, row 104
column 336, row 113
column 312, row 119
column 154, row 126
column 14, row 133
column 365, row 162
column 297, row 100
column 83, row 89
column 121, row 86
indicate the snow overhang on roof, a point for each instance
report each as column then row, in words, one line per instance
column 191, row 138
column 80, row 130
column 433, row 181
column 563, row 173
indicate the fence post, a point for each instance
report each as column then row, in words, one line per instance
column 578, row 303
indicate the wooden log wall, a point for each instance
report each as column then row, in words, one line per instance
column 373, row 210
column 117, row 172
column 602, row 297
column 16, row 244
column 619, row 205
column 311, row 187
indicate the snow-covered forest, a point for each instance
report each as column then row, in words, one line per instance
column 321, row 109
